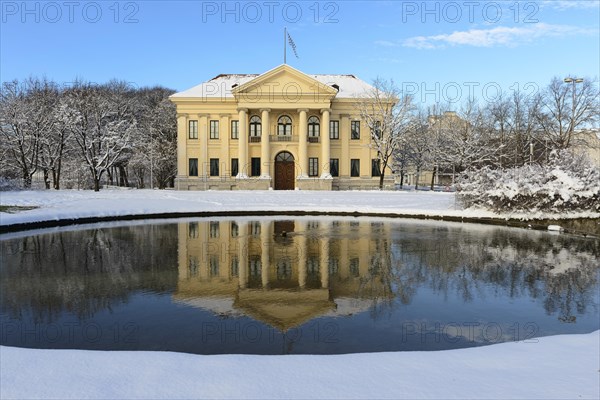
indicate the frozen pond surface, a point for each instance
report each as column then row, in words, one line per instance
column 304, row 285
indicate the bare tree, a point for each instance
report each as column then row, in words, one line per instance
column 387, row 112
column 567, row 107
column 156, row 141
column 418, row 144
column 103, row 124
column 22, row 125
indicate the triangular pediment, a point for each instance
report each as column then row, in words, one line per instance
column 283, row 309
column 283, row 82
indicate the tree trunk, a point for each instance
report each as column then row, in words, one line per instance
column 26, row 178
column 417, row 180
column 401, row 178
column 110, row 176
column 46, row 179
column 381, row 177
column 433, row 176
column 56, row 175
column 96, row 178
column 56, row 171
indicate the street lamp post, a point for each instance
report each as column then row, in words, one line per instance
column 573, row 81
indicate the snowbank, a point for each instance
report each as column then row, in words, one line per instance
column 67, row 204
column 556, row 367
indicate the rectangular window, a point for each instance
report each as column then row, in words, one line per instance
column 214, row 167
column 313, row 166
column 234, row 167
column 235, row 229
column 355, row 167
column 334, row 129
column 355, row 130
column 375, row 164
column 235, row 266
column 193, row 230
column 235, row 129
column 255, row 228
column 214, row 229
column 255, row 167
column 193, row 129
column 214, row 129
column 377, row 130
column 334, row 167
column 213, row 265
column 193, row 167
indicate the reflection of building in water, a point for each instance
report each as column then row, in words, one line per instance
column 283, row 273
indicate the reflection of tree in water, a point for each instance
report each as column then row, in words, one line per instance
column 561, row 271
column 87, row 271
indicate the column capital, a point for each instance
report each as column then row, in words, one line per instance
column 265, row 110
column 324, row 110
column 344, row 115
column 202, row 115
column 224, row 115
column 183, row 115
column 242, row 109
column 303, row 110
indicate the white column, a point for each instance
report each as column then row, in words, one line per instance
column 345, row 141
column 301, row 249
column 182, row 135
column 224, row 136
column 243, row 144
column 324, row 262
column 303, row 144
column 325, row 145
column 243, row 254
column 203, row 164
column 265, row 156
column 265, row 237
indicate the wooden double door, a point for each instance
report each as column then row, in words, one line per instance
column 285, row 171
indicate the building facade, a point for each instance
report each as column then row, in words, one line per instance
column 283, row 272
column 282, row 130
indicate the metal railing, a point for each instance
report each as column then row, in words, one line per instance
column 283, row 138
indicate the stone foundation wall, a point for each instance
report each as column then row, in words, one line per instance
column 313, row 184
column 344, row 183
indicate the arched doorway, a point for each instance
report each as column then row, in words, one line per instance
column 284, row 171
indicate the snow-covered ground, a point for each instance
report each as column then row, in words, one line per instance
column 62, row 204
column 549, row 367
column 556, row 367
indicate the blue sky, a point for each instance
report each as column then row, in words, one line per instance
column 435, row 49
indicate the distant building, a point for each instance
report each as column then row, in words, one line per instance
column 588, row 143
column 282, row 129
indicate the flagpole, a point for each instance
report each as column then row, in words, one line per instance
column 284, row 44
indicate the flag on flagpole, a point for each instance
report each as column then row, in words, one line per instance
column 293, row 45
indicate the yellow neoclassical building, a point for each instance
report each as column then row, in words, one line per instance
column 282, row 129
column 283, row 272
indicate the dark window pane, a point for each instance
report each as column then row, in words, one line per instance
column 355, row 167
column 234, row 166
column 375, row 167
column 235, row 129
column 193, row 129
column 355, row 130
column 193, row 167
column 255, row 166
column 313, row 166
column 334, row 129
column 334, row 167
column 214, row 167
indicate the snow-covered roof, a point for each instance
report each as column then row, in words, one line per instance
column 220, row 86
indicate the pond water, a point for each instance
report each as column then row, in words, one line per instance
column 294, row 285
